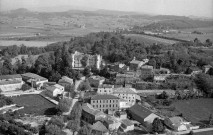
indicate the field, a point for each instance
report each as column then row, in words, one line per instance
column 26, row 43
column 208, row 34
column 34, row 104
column 195, row 110
column 149, row 39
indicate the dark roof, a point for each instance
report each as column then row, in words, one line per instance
column 89, row 109
column 102, row 97
column 34, row 76
column 10, row 76
column 140, row 111
column 127, row 122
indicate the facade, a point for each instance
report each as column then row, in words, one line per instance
column 91, row 60
column 96, row 81
column 128, row 94
column 91, row 115
column 141, row 114
column 159, row 78
column 135, row 64
column 124, row 104
column 15, row 77
column 35, row 80
column 65, row 81
column 126, row 78
column 105, row 102
column 146, row 71
column 105, row 89
column 126, row 125
column 111, row 123
column 54, row 90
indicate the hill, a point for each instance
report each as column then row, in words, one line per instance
column 178, row 24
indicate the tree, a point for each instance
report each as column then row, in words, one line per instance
column 158, row 126
column 85, row 130
column 210, row 120
column 76, row 111
column 7, row 66
column 57, row 120
column 64, row 104
column 25, row 87
column 84, row 61
column 53, row 130
column 74, row 125
column 163, row 95
column 85, row 85
column 86, row 71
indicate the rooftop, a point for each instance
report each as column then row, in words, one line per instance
column 98, row 126
column 66, row 79
column 140, row 111
column 10, row 76
column 9, row 82
column 103, row 97
column 106, row 86
column 89, row 109
column 147, row 67
column 34, row 76
column 97, row 77
column 127, row 122
column 124, row 90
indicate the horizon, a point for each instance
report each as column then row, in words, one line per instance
column 159, row 7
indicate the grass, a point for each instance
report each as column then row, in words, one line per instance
column 149, row 39
column 35, row 104
column 195, row 110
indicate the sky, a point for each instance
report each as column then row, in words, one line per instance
column 202, row 8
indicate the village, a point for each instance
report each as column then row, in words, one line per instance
column 127, row 99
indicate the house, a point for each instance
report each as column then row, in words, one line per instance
column 135, row 64
column 145, row 72
column 90, row 60
column 121, row 114
column 96, row 81
column 193, row 70
column 111, row 123
column 10, row 82
column 128, row 94
column 176, row 123
column 105, row 89
column 124, row 104
column 126, row 78
column 159, row 78
column 126, row 125
column 15, row 77
column 54, row 90
column 141, row 114
column 105, row 103
column 91, row 115
column 98, row 128
column 35, row 80
column 65, row 81
column 162, row 71
column 118, row 67
column 206, row 68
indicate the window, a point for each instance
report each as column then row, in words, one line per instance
column 93, row 101
column 96, row 106
column 103, row 105
column 100, row 106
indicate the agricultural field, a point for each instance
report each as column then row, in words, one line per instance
column 185, row 34
column 26, row 43
column 34, row 104
column 195, row 110
column 149, row 39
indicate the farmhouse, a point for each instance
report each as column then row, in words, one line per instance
column 141, row 114
column 35, row 80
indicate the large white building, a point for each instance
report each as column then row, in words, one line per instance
column 92, row 60
column 10, row 82
column 105, row 89
column 128, row 94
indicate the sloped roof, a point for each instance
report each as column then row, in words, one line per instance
column 34, row 76
column 176, row 120
column 135, row 62
column 127, row 122
column 103, row 97
column 106, row 86
column 89, row 109
column 140, row 111
column 66, row 79
column 10, row 76
column 51, row 88
column 98, row 126
column 9, row 82
column 59, row 86
column 124, row 90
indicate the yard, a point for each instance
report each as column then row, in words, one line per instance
column 195, row 110
column 35, row 104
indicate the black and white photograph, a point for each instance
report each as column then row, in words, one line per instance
column 106, row 67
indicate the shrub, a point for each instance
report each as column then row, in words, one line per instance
column 25, row 87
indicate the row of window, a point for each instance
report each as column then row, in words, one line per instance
column 103, row 106
column 105, row 101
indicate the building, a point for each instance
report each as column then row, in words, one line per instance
column 126, row 125
column 160, row 78
column 65, row 81
column 54, row 90
column 193, row 70
column 6, row 86
column 105, row 89
column 176, row 123
column 105, row 103
column 111, row 123
column 15, row 77
column 141, row 114
column 91, row 60
column 118, row 67
column 126, row 78
column 35, row 80
column 135, row 64
column 98, row 128
column 124, row 104
column 128, row 94
column 96, row 81
column 91, row 115
column 145, row 72
column 206, row 68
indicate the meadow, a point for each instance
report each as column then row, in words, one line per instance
column 34, row 104
column 26, row 43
